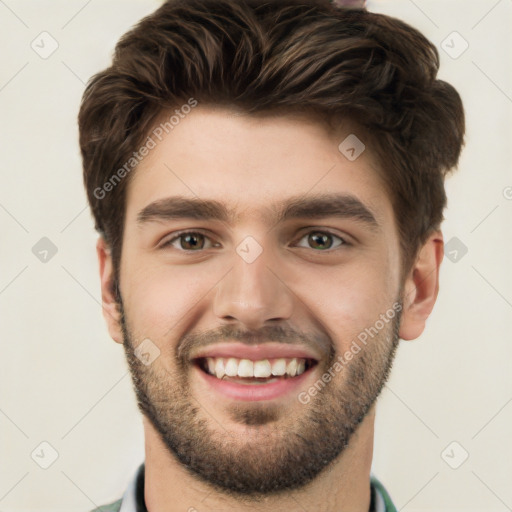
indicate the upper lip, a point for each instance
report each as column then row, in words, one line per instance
column 257, row 352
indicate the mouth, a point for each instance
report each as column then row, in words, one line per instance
column 261, row 379
column 248, row 371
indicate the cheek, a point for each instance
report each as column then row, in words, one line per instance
column 349, row 301
column 163, row 301
column 157, row 297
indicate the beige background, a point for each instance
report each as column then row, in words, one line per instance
column 65, row 382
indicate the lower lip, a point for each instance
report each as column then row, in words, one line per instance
column 252, row 392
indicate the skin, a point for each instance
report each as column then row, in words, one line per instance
column 332, row 296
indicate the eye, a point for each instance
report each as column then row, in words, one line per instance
column 189, row 241
column 194, row 241
column 322, row 240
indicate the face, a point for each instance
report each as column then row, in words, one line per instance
column 254, row 248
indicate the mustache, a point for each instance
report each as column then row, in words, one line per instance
column 267, row 334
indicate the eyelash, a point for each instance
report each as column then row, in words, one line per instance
column 180, row 234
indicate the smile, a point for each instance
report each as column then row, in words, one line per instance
column 250, row 380
column 264, row 369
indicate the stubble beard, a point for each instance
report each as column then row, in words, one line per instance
column 277, row 452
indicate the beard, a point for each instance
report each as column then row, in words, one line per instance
column 279, row 450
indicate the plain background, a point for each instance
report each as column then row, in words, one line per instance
column 65, row 382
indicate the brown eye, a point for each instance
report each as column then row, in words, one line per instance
column 322, row 240
column 191, row 241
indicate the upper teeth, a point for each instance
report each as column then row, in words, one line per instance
column 233, row 367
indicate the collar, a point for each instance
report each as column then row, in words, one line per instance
column 133, row 498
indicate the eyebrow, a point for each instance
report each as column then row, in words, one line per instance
column 343, row 206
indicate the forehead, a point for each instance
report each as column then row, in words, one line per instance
column 252, row 165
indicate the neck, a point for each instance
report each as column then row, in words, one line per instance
column 344, row 486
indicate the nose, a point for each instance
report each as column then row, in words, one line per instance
column 254, row 293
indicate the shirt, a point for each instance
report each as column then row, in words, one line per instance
column 133, row 498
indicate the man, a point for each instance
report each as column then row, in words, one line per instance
column 267, row 179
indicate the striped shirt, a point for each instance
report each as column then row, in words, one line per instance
column 133, row 498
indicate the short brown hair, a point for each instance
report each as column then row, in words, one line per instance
column 279, row 56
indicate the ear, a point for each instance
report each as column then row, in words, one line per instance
column 110, row 309
column 421, row 287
